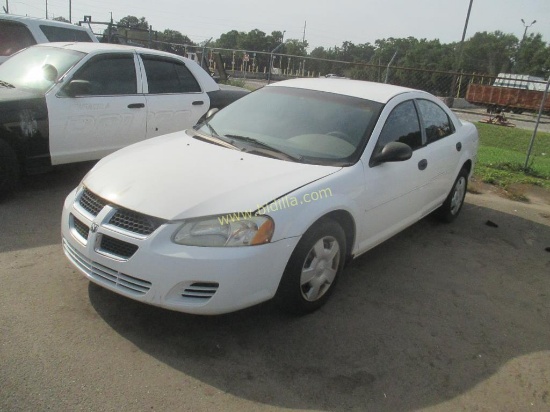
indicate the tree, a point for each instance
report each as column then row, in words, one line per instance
column 533, row 57
column 490, row 53
column 134, row 23
column 173, row 41
column 229, row 40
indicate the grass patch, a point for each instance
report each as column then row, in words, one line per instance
column 502, row 153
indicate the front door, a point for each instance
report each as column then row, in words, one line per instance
column 394, row 194
column 107, row 114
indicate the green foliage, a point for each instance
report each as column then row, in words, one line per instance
column 502, row 154
column 489, row 53
column 484, row 53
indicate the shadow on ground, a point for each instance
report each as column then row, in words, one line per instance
column 31, row 216
column 415, row 322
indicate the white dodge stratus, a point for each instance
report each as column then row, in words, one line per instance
column 269, row 197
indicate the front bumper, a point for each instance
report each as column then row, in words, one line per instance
column 154, row 270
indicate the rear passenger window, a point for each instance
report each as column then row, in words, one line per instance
column 436, row 122
column 169, row 76
column 54, row 33
column 402, row 126
column 14, row 37
column 109, row 75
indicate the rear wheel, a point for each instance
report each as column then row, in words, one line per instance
column 450, row 209
column 9, row 169
column 313, row 269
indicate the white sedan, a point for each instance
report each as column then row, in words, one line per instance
column 269, row 197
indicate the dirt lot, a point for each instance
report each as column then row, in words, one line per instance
column 441, row 317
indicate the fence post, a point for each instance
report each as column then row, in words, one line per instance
column 541, row 109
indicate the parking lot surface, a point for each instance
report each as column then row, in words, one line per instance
column 441, row 317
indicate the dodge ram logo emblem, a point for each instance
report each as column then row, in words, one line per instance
column 94, row 227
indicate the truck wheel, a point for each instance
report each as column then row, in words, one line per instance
column 9, row 169
column 313, row 268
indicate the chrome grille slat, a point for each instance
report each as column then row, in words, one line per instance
column 106, row 275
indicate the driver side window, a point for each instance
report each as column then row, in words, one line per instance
column 109, row 75
column 402, row 125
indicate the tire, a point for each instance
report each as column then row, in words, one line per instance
column 9, row 169
column 313, row 268
column 452, row 206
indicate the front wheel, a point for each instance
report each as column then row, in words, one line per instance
column 9, row 169
column 313, row 268
column 450, row 209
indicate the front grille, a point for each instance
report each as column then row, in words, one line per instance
column 117, row 247
column 135, row 222
column 91, row 203
column 80, row 228
column 105, row 275
column 200, row 291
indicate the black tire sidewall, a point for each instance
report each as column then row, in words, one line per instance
column 289, row 296
column 9, row 169
column 445, row 210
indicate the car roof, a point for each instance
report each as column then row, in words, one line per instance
column 89, row 47
column 378, row 92
column 38, row 21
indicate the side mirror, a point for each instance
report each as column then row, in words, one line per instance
column 392, row 152
column 211, row 112
column 49, row 72
column 78, row 88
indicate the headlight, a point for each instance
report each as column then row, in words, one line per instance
column 219, row 231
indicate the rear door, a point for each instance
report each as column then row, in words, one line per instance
column 175, row 99
column 107, row 114
column 443, row 150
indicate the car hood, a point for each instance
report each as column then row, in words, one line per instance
column 16, row 97
column 177, row 176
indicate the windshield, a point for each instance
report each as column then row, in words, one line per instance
column 37, row 67
column 307, row 125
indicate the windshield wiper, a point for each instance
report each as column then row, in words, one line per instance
column 263, row 145
column 6, row 84
column 214, row 137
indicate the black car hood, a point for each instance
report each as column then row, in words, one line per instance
column 14, row 98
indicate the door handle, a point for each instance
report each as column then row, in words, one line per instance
column 136, row 105
column 422, row 164
column 198, row 103
column 459, row 146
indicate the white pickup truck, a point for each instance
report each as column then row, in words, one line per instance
column 71, row 102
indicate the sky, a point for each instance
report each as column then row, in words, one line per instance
column 327, row 23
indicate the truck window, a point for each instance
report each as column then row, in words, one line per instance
column 14, row 37
column 54, row 33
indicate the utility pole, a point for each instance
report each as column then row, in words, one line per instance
column 7, row 8
column 70, row 12
column 304, row 36
column 450, row 100
column 46, row 9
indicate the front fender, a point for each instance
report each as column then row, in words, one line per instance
column 295, row 212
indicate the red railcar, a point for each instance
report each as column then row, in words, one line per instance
column 506, row 98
